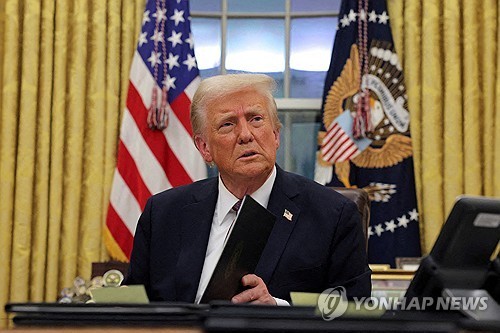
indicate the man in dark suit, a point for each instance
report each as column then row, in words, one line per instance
column 317, row 241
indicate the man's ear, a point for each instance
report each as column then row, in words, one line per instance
column 202, row 146
column 277, row 138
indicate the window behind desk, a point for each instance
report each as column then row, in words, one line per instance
column 290, row 40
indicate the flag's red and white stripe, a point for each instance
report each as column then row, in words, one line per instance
column 337, row 146
column 148, row 161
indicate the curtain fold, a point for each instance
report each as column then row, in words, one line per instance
column 431, row 122
column 496, row 117
column 42, row 153
column 93, row 140
column 8, row 139
column 73, row 136
column 57, row 125
column 473, row 108
column 489, row 77
column 2, row 29
column 452, row 98
column 24, row 198
column 112, row 99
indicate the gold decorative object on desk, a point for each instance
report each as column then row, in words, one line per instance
column 112, row 278
column 80, row 291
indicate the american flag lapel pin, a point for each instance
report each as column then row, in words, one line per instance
column 288, row 215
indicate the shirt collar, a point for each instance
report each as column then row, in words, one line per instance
column 226, row 200
column 264, row 192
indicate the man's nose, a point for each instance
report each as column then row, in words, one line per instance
column 245, row 134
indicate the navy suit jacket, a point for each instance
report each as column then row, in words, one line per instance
column 321, row 247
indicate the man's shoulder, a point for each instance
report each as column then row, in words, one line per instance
column 305, row 185
column 184, row 192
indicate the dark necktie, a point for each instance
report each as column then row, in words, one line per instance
column 235, row 209
column 236, row 206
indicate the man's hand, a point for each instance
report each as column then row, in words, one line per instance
column 257, row 294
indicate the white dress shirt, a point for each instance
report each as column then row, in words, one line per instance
column 224, row 216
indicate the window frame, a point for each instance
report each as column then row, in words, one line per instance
column 287, row 15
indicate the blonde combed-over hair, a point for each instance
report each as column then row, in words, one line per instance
column 217, row 87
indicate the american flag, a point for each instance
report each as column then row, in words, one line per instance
column 339, row 145
column 155, row 151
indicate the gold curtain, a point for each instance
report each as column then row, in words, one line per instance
column 64, row 68
column 451, row 58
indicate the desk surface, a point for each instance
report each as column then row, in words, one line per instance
column 101, row 329
column 187, row 318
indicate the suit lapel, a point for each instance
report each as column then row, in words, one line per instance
column 287, row 214
column 196, row 224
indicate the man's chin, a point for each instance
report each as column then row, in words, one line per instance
column 253, row 170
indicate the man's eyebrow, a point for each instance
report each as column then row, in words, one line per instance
column 225, row 111
column 257, row 108
column 224, row 116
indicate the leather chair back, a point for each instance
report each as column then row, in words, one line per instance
column 362, row 200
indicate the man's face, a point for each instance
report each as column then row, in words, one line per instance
column 240, row 136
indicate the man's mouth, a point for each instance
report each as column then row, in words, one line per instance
column 248, row 154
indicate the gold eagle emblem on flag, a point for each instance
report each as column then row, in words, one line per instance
column 390, row 131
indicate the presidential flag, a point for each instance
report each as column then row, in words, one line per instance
column 365, row 137
column 155, row 151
